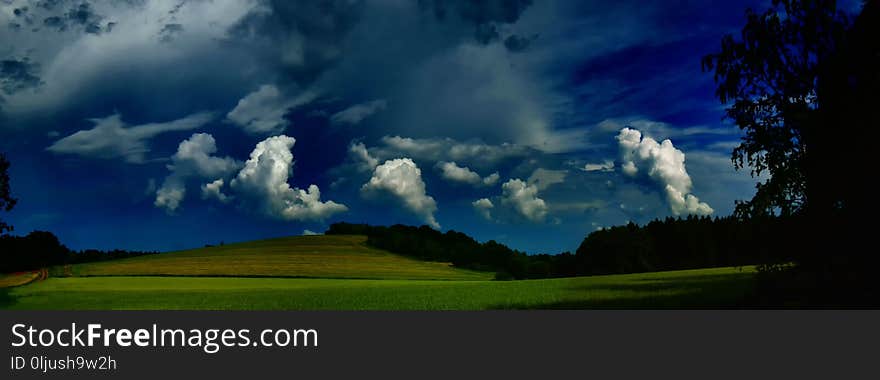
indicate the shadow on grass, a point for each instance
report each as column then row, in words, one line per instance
column 727, row 291
column 6, row 298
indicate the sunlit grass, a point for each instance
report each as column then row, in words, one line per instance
column 704, row 288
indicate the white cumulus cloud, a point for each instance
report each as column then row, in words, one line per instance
column 524, row 199
column 263, row 181
column 169, row 196
column 193, row 159
column 402, row 178
column 212, row 190
column 360, row 154
column 452, row 172
column 663, row 163
column 491, row 179
column 483, row 206
column 605, row 166
column 194, row 156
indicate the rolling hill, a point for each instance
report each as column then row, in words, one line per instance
column 339, row 272
column 320, row 256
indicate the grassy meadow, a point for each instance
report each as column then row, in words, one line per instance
column 341, row 273
column 704, row 288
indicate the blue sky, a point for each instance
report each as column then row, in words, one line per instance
column 167, row 125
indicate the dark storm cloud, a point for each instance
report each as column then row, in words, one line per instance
column 56, row 23
column 21, row 15
column 486, row 33
column 49, row 4
column 517, row 44
column 303, row 37
column 79, row 15
column 84, row 15
column 17, row 75
column 484, row 15
column 478, row 11
column 176, row 8
column 453, row 81
column 169, row 31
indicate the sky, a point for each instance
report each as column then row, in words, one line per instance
column 160, row 125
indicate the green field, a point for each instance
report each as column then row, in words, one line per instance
column 340, row 273
column 705, row 288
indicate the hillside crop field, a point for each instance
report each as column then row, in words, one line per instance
column 341, row 273
column 330, row 256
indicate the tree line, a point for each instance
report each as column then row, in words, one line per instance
column 42, row 249
column 668, row 244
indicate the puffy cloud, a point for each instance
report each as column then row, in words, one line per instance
column 357, row 113
column 194, row 159
column 455, row 173
column 451, row 171
column 212, row 191
column 663, row 163
column 491, row 179
column 402, row 178
column 605, row 166
column 362, row 157
column 112, row 138
column 543, row 178
column 310, row 233
column 483, row 206
column 262, row 111
column 524, row 199
column 170, row 195
column 263, row 181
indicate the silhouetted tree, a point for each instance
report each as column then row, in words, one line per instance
column 39, row 249
column 803, row 83
column 7, row 202
column 769, row 78
column 849, row 89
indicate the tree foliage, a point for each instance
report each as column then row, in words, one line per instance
column 426, row 243
column 769, row 80
column 42, row 249
column 669, row 244
column 803, row 83
column 690, row 243
column 7, row 202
